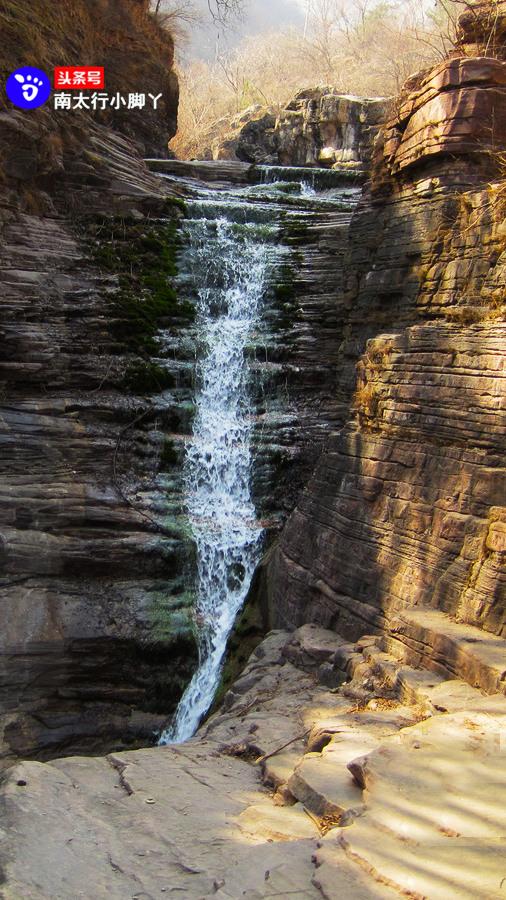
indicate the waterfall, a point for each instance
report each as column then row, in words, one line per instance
column 234, row 247
column 226, row 263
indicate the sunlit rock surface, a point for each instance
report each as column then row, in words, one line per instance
column 406, row 506
column 317, row 128
column 368, row 791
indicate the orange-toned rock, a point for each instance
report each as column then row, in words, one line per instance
column 459, row 108
column 483, row 26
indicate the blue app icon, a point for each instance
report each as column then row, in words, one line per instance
column 28, row 87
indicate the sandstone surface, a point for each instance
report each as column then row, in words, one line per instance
column 405, row 508
column 397, row 802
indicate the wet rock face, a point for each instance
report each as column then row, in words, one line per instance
column 297, row 356
column 406, row 506
column 96, row 640
column 317, row 128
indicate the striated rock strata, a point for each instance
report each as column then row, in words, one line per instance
column 406, row 506
column 317, row 128
column 95, row 637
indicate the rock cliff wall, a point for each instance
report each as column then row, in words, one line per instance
column 406, row 506
column 95, row 638
column 317, row 128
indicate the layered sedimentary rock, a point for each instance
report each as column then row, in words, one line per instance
column 458, row 108
column 120, row 35
column 482, row 29
column 317, row 128
column 320, row 127
column 96, row 638
column 406, row 506
column 386, row 787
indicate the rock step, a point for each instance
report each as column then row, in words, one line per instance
column 339, row 878
column 421, row 687
column 456, row 868
column 427, row 638
column 232, row 171
column 277, row 823
column 435, row 819
column 322, row 779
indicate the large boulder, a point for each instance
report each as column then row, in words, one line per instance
column 319, row 127
column 482, row 28
column 457, row 109
column 248, row 136
column 323, row 128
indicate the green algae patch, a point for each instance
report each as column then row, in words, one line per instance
column 172, row 203
column 171, row 618
column 146, row 377
column 172, row 632
column 169, row 456
column 284, row 293
column 143, row 256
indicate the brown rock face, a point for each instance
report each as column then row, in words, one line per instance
column 90, row 655
column 406, row 506
column 317, row 128
column 120, row 35
column 482, row 28
column 405, row 510
column 320, row 127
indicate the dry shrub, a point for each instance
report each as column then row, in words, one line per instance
column 361, row 47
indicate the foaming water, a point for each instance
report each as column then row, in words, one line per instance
column 233, row 246
column 227, row 267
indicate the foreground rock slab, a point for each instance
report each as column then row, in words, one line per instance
column 373, row 797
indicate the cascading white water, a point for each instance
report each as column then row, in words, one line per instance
column 227, row 264
column 231, row 250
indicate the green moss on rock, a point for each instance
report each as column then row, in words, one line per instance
column 146, row 377
column 144, row 258
column 169, row 455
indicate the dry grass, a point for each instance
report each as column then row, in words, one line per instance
column 369, row 51
column 366, row 400
column 70, row 32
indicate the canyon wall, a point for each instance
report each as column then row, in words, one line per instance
column 98, row 566
column 95, row 635
column 406, row 505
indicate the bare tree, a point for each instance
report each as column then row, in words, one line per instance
column 223, row 10
column 220, row 10
column 471, row 26
column 365, row 47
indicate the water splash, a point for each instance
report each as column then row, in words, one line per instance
column 227, row 265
